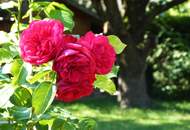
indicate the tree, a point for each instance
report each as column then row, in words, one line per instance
column 139, row 14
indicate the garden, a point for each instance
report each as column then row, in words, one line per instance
column 94, row 65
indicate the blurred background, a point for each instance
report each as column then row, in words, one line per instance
column 154, row 78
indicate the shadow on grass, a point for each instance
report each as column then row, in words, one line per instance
column 133, row 125
column 107, row 103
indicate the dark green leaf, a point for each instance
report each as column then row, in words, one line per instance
column 22, row 97
column 4, row 78
column 60, row 124
column 7, row 127
column 20, row 113
column 42, row 97
column 116, row 43
column 104, row 83
column 87, row 124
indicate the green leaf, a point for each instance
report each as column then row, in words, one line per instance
column 22, row 97
column 60, row 124
column 61, row 7
column 65, row 16
column 6, row 91
column 114, row 72
column 5, row 55
column 42, row 97
column 20, row 71
column 87, row 124
column 38, row 76
column 4, row 78
column 6, row 127
column 104, row 83
column 35, row 6
column 116, row 43
column 20, row 113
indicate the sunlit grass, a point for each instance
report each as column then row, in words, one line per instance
column 161, row 116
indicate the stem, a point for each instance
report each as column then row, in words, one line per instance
column 31, row 17
column 19, row 16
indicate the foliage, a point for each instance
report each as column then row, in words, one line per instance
column 27, row 91
column 170, row 59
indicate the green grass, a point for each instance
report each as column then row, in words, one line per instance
column 161, row 116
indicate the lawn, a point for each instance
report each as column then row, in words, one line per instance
column 105, row 110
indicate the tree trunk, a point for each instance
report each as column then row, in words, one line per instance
column 131, row 81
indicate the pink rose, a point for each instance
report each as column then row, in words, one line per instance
column 102, row 51
column 74, row 63
column 68, row 91
column 40, row 42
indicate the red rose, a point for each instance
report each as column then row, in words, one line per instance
column 68, row 91
column 40, row 42
column 74, row 63
column 68, row 39
column 102, row 51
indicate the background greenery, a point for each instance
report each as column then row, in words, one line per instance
column 109, row 116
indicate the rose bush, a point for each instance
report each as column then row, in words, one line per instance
column 28, row 89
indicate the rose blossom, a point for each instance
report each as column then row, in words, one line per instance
column 68, row 91
column 102, row 51
column 74, row 63
column 40, row 42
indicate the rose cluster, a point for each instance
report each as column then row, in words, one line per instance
column 76, row 61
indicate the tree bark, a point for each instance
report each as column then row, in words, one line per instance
column 131, row 81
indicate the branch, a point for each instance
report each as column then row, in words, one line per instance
column 99, row 9
column 114, row 16
column 162, row 8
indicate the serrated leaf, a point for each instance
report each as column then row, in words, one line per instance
column 116, row 43
column 38, row 76
column 42, row 97
column 104, row 83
